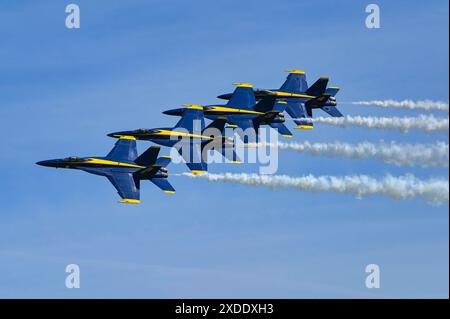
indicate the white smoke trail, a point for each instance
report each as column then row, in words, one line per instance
column 427, row 123
column 408, row 104
column 425, row 155
column 435, row 191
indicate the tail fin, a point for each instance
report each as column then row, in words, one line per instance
column 295, row 82
column 149, row 157
column 265, row 104
column 270, row 103
column 192, row 119
column 319, row 87
column 243, row 97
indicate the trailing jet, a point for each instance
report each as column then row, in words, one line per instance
column 190, row 138
column 123, row 168
column 301, row 99
column 244, row 112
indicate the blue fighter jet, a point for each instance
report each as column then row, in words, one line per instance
column 244, row 112
column 123, row 168
column 300, row 98
column 190, row 138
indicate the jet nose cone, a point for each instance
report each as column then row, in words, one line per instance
column 118, row 134
column 45, row 163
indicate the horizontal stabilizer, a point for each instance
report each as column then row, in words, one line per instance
column 332, row 110
column 198, row 168
column 332, row 90
column 281, row 129
column 163, row 161
column 163, row 184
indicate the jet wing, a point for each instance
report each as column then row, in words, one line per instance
column 124, row 150
column 163, row 184
column 332, row 110
column 243, row 97
column 126, row 186
column 248, row 134
column 298, row 112
column 191, row 151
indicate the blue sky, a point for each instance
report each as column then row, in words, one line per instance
column 63, row 90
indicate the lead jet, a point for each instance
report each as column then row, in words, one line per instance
column 123, row 168
column 300, row 98
column 244, row 112
column 190, row 138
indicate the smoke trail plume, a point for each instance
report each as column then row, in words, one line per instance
column 427, row 123
column 435, row 191
column 408, row 104
column 425, row 155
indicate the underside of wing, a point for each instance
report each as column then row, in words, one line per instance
column 191, row 151
column 248, row 130
column 127, row 187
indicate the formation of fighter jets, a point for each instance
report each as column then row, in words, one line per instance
column 247, row 108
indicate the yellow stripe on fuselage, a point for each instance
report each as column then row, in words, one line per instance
column 127, row 137
column 223, row 109
column 286, row 94
column 99, row 161
column 176, row 133
column 193, row 106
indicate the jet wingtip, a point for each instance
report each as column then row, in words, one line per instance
column 304, row 127
column 129, row 201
